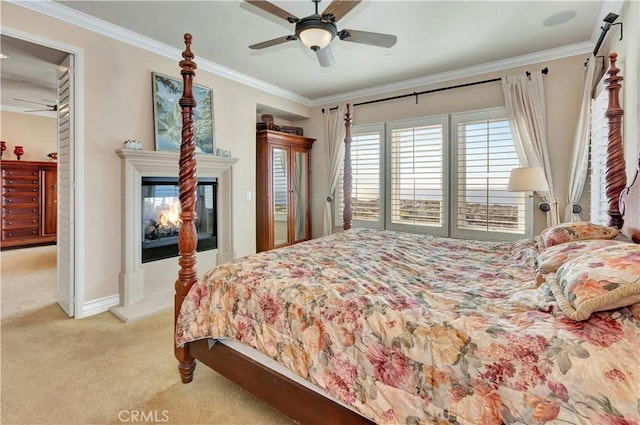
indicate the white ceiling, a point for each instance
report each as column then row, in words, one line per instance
column 28, row 76
column 434, row 37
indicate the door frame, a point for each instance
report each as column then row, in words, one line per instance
column 78, row 209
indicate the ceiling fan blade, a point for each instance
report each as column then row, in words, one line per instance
column 325, row 57
column 339, row 8
column 371, row 38
column 31, row 101
column 274, row 10
column 40, row 110
column 273, row 42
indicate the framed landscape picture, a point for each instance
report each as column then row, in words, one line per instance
column 167, row 115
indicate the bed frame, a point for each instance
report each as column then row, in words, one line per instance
column 299, row 403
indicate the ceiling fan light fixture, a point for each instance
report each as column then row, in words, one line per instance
column 314, row 33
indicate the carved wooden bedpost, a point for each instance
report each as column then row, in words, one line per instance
column 188, row 238
column 616, row 176
column 347, row 178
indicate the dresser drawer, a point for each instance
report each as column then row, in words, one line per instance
column 23, row 189
column 21, row 232
column 20, row 221
column 22, row 199
column 13, row 172
column 21, row 181
column 18, row 209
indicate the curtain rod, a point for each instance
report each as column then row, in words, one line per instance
column 545, row 71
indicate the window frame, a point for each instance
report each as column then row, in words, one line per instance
column 338, row 196
column 450, row 169
column 598, row 143
column 458, row 118
column 432, row 120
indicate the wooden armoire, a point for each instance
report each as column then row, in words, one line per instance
column 29, row 203
column 283, row 189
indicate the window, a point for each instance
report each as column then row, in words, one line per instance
column 485, row 157
column 599, row 205
column 366, row 202
column 417, row 192
column 436, row 181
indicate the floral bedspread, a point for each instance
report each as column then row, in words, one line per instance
column 412, row 329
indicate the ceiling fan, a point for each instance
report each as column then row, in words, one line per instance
column 50, row 108
column 316, row 31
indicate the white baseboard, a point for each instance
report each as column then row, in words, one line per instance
column 98, row 306
column 149, row 306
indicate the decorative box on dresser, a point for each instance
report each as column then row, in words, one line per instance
column 283, row 188
column 29, row 203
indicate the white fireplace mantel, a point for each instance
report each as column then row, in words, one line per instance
column 137, row 300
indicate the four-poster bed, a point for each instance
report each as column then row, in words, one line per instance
column 390, row 333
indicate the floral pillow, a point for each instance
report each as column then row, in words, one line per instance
column 576, row 231
column 553, row 257
column 604, row 279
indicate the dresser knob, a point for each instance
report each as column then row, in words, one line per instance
column 34, row 199
column 9, row 223
column 33, row 210
column 33, row 232
column 34, row 190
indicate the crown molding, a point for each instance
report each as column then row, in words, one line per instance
column 500, row 65
column 80, row 19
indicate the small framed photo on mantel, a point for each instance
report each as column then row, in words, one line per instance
column 167, row 115
column 224, row 153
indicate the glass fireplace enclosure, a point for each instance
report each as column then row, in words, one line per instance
column 161, row 216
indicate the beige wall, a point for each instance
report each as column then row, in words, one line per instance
column 562, row 91
column 118, row 106
column 37, row 135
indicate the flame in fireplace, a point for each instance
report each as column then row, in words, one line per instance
column 171, row 216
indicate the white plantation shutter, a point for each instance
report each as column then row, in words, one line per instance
column 280, row 188
column 598, row 159
column 366, row 205
column 483, row 208
column 416, row 191
column 432, row 180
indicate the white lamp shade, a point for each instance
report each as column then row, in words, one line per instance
column 315, row 38
column 528, row 179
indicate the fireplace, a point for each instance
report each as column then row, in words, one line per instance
column 161, row 216
column 146, row 288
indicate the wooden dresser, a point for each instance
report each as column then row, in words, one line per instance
column 29, row 203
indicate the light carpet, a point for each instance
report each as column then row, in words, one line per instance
column 98, row 370
column 28, row 280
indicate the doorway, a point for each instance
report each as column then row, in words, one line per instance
column 43, row 68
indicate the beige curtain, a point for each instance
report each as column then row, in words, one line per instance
column 334, row 135
column 525, row 107
column 580, row 156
